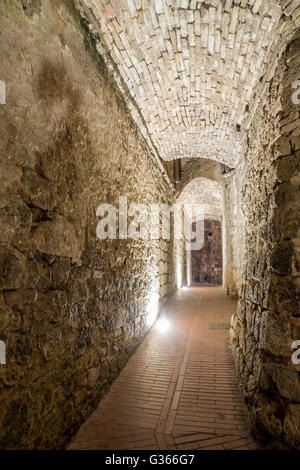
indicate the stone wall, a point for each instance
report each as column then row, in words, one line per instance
column 233, row 234
column 207, row 262
column 72, row 307
column 268, row 317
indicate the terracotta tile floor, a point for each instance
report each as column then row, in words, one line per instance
column 179, row 389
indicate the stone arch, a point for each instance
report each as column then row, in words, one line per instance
column 192, row 168
column 206, row 192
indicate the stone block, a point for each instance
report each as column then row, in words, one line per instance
column 291, row 426
column 37, row 191
column 275, row 334
column 286, row 380
column 15, row 219
column 12, row 266
column 281, row 258
column 57, row 237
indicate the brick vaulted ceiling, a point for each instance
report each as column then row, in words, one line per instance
column 206, row 193
column 192, row 66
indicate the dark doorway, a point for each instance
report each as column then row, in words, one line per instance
column 207, row 262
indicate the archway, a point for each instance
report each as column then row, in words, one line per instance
column 205, row 264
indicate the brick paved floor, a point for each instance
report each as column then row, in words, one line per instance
column 179, row 389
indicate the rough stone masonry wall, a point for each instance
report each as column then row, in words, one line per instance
column 268, row 318
column 233, row 234
column 72, row 308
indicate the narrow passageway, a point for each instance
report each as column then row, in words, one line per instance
column 179, row 389
column 149, row 153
